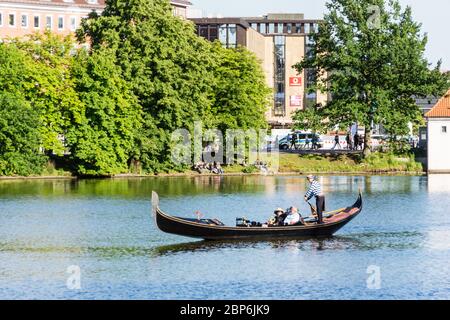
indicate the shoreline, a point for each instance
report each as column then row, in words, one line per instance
column 231, row 174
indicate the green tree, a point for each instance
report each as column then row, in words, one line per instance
column 167, row 65
column 47, row 84
column 369, row 56
column 19, row 136
column 240, row 94
column 102, row 137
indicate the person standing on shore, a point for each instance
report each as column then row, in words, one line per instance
column 315, row 190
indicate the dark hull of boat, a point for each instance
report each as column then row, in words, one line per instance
column 191, row 228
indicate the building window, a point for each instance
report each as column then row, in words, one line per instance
column 310, row 76
column 203, row 31
column 24, row 21
column 48, row 22
column 223, row 35
column 36, row 21
column 271, row 28
column 262, row 28
column 73, row 23
column 280, row 28
column 307, row 28
column 298, row 28
column 444, row 129
column 280, row 76
column 228, row 35
column 60, row 23
column 213, row 33
column 92, row 1
column 12, row 20
column 254, row 26
column 232, row 36
column 289, row 28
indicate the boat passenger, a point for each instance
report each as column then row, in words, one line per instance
column 293, row 217
column 278, row 219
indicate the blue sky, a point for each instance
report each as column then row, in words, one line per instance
column 433, row 14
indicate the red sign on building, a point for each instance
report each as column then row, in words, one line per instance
column 295, row 81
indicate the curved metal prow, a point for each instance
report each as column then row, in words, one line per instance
column 155, row 203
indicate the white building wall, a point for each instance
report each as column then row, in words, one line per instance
column 438, row 145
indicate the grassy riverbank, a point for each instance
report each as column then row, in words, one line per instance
column 343, row 163
column 377, row 163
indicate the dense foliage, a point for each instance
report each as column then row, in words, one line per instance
column 19, row 137
column 240, row 95
column 103, row 138
column 369, row 56
column 112, row 108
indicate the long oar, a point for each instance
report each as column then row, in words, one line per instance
column 313, row 209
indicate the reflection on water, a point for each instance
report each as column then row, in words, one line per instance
column 439, row 183
column 104, row 226
column 367, row 241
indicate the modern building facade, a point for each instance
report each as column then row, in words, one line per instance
column 279, row 41
column 439, row 136
column 21, row 17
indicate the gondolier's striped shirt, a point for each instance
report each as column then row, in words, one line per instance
column 314, row 190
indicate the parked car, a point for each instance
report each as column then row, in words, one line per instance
column 285, row 143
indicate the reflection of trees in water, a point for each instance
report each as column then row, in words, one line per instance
column 133, row 187
column 182, row 186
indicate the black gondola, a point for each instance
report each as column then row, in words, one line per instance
column 214, row 230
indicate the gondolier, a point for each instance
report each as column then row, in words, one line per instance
column 315, row 190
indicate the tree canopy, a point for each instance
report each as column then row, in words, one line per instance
column 112, row 108
column 19, row 137
column 369, row 57
column 103, row 138
column 177, row 77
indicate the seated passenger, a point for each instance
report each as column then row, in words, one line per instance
column 293, row 217
column 278, row 219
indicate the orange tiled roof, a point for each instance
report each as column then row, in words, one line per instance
column 441, row 109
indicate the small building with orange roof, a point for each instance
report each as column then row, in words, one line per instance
column 439, row 136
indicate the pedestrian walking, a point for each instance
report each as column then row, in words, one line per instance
column 356, row 140
column 336, row 142
column 307, row 143
column 348, row 139
column 293, row 141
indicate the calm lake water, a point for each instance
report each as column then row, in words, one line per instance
column 104, row 227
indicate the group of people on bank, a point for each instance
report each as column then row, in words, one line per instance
column 292, row 216
column 203, row 167
column 310, row 142
column 355, row 142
